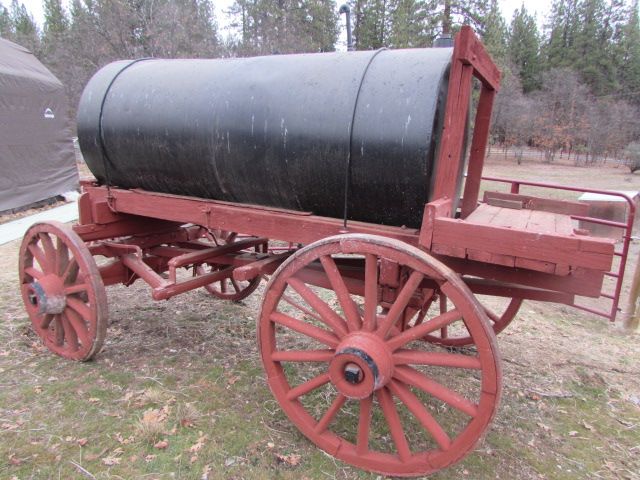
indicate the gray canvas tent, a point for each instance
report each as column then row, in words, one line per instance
column 37, row 158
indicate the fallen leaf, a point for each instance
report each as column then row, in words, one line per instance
column 15, row 461
column 205, row 472
column 587, row 426
column 544, row 427
column 150, row 458
column 233, row 380
column 230, row 461
column 271, row 445
column 162, row 444
column 193, row 459
column 196, row 447
column 292, row 459
column 110, row 461
column 573, row 433
column 94, row 400
column 82, row 442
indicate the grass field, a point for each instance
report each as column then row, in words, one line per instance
column 178, row 390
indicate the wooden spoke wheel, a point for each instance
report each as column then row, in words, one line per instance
column 500, row 312
column 62, row 291
column 365, row 391
column 228, row 288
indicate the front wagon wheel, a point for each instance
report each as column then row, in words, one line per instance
column 62, row 291
column 358, row 382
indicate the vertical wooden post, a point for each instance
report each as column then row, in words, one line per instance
column 631, row 318
column 478, row 150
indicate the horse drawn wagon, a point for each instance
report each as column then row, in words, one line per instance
column 341, row 177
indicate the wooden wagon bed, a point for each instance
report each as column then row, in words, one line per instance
column 526, row 237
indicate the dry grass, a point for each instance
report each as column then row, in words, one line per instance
column 187, row 371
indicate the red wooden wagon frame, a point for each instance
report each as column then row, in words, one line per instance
column 384, row 308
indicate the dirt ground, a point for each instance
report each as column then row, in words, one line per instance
column 178, row 390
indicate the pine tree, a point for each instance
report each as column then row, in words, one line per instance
column 560, row 47
column 411, row 24
column 6, row 23
column 524, row 48
column 372, row 24
column 629, row 55
column 494, row 35
column 25, row 30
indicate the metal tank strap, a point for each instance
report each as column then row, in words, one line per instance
column 106, row 161
column 347, row 176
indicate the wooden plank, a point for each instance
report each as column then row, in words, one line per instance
column 499, row 202
column 509, row 218
column 537, row 265
column 565, row 207
column 478, row 151
column 583, row 282
column 595, row 253
column 564, row 225
column 432, row 210
column 542, row 222
column 448, row 250
column 483, row 214
column 497, row 259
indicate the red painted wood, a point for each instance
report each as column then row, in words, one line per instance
column 591, row 253
column 478, row 150
column 538, row 203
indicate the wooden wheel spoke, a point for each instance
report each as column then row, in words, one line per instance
column 62, row 256
column 491, row 314
column 394, row 422
column 47, row 245
column 411, row 376
column 70, row 333
column 235, row 285
column 319, row 334
column 297, row 306
column 79, row 325
column 76, row 288
column 34, row 273
column 80, row 307
column 370, row 292
column 364, row 425
column 327, row 315
column 423, row 329
column 400, row 304
column 330, row 414
column 419, row 411
column 342, row 292
column 223, row 285
column 58, row 330
column 436, row 359
column 308, row 386
column 46, row 321
column 40, row 257
column 70, row 273
column 444, row 332
column 302, row 355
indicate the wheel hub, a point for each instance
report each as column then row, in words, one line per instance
column 361, row 365
column 47, row 294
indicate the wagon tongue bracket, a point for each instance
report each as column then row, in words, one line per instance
column 48, row 295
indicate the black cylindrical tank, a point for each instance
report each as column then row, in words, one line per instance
column 300, row 132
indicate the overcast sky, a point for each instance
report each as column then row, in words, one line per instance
column 539, row 7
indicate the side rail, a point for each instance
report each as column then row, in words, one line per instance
column 621, row 252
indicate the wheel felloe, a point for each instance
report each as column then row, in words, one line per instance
column 355, row 379
column 62, row 291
